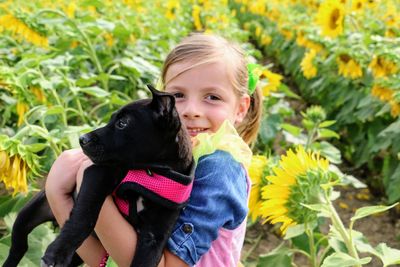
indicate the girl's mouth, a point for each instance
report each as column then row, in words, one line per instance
column 194, row 131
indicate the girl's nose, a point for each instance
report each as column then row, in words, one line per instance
column 191, row 110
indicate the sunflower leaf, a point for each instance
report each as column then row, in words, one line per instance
column 343, row 260
column 321, row 208
column 366, row 211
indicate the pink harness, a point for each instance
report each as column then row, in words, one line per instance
column 172, row 191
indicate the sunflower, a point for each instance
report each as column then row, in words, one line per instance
column 357, row 5
column 22, row 108
column 172, row 8
column 384, row 94
column 274, row 81
column 307, row 64
column 330, row 17
column 13, row 172
column 394, row 108
column 39, row 94
column 196, row 17
column 256, row 174
column 20, row 30
column 382, row 67
column 297, row 180
column 348, row 67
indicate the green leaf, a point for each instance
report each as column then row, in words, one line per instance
column 294, row 231
column 294, row 130
column 286, row 90
column 329, row 151
column 321, row 208
column 279, row 257
column 343, row 260
column 389, row 256
column 325, row 124
column 326, row 133
column 94, row 91
column 57, row 109
column 393, row 186
column 34, row 148
column 366, row 211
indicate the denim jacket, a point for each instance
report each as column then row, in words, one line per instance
column 218, row 202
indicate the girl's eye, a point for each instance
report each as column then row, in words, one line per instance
column 213, row 97
column 178, row 95
column 121, row 124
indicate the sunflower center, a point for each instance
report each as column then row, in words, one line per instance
column 344, row 58
column 335, row 15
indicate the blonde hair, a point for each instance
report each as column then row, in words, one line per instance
column 201, row 49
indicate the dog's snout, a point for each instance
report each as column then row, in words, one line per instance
column 85, row 139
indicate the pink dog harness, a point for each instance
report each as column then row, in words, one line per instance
column 171, row 189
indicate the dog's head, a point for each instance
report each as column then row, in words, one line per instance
column 143, row 132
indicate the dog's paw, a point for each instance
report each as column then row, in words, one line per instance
column 55, row 259
column 47, row 263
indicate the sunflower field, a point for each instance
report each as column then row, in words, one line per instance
column 330, row 75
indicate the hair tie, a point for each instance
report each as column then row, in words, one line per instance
column 254, row 72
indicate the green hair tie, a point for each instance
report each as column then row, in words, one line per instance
column 254, row 72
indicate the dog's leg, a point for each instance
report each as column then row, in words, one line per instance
column 153, row 229
column 97, row 183
column 34, row 213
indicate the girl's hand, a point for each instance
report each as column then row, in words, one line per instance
column 61, row 182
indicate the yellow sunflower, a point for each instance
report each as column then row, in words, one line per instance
column 13, row 172
column 20, row 30
column 274, row 81
column 330, row 17
column 196, row 17
column 256, row 173
column 382, row 67
column 172, row 8
column 22, row 108
column 357, row 5
column 307, row 64
column 394, row 108
column 296, row 181
column 348, row 67
column 384, row 94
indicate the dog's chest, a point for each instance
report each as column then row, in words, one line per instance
column 140, row 204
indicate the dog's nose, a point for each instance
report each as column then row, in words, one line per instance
column 84, row 140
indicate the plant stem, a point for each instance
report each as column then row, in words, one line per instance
column 313, row 254
column 253, row 247
column 89, row 45
column 310, row 137
column 338, row 224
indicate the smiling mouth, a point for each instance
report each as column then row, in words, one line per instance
column 194, row 131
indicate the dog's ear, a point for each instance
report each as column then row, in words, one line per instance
column 164, row 105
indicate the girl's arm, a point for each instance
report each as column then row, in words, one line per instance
column 60, row 183
column 117, row 236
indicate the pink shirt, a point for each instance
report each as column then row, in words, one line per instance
column 225, row 250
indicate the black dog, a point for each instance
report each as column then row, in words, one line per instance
column 144, row 135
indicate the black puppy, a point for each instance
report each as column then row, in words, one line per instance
column 144, row 135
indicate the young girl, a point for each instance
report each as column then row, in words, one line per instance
column 209, row 79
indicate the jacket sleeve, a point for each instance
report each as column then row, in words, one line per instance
column 218, row 200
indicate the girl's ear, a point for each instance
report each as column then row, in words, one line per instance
column 243, row 107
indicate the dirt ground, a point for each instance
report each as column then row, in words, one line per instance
column 384, row 227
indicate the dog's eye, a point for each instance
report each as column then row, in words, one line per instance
column 121, row 124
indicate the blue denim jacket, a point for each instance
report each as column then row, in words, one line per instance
column 218, row 199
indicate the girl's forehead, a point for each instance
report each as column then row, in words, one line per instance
column 213, row 69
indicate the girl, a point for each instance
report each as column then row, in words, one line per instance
column 209, row 79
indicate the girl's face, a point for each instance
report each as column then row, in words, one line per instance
column 205, row 97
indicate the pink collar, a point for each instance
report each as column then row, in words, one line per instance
column 171, row 191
